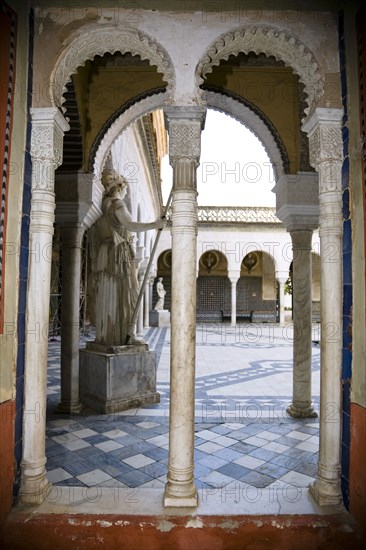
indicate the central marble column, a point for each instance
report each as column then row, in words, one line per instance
column 184, row 125
column 301, row 406
column 326, row 155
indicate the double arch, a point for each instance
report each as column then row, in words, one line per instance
column 93, row 40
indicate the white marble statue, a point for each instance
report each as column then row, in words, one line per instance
column 161, row 293
column 115, row 274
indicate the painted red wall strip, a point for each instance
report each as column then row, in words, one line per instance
column 8, row 27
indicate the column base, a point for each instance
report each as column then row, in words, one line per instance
column 34, row 490
column 297, row 412
column 180, row 501
column 326, row 493
column 69, row 408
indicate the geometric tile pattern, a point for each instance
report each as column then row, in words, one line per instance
column 130, row 449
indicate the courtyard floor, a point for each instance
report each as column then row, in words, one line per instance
column 245, row 443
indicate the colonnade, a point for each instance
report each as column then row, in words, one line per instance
column 184, row 125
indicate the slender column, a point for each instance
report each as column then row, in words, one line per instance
column 151, row 290
column 71, row 241
column 184, row 125
column 281, row 305
column 233, row 279
column 301, row 397
column 140, row 318
column 48, row 127
column 233, row 303
column 146, row 306
column 325, row 139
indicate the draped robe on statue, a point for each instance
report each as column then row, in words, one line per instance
column 115, row 276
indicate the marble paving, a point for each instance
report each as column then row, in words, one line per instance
column 243, row 436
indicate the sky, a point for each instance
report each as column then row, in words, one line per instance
column 235, row 169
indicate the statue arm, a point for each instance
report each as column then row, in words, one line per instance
column 124, row 217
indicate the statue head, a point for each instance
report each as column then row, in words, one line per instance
column 112, row 182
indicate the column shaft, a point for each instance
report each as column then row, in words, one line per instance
column 71, row 241
column 184, row 131
column 183, row 351
column 233, row 303
column 327, row 487
column 282, row 301
column 301, row 399
column 146, row 306
column 48, row 126
column 140, row 317
column 326, row 154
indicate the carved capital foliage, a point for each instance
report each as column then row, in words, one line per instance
column 184, row 125
column 325, row 144
column 326, row 147
column 185, row 141
column 98, row 40
column 271, row 42
column 48, row 127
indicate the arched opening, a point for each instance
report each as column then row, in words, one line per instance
column 239, row 109
column 255, row 302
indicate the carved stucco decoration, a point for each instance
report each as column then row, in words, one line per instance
column 98, row 40
column 48, row 127
column 271, row 42
column 185, row 139
column 326, row 154
column 227, row 214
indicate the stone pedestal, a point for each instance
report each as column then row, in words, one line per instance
column 119, row 378
column 159, row 318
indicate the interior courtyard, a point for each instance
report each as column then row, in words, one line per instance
column 181, row 370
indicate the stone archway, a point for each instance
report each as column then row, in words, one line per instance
column 98, row 40
column 270, row 41
column 230, row 106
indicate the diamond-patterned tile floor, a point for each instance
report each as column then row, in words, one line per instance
column 242, row 432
